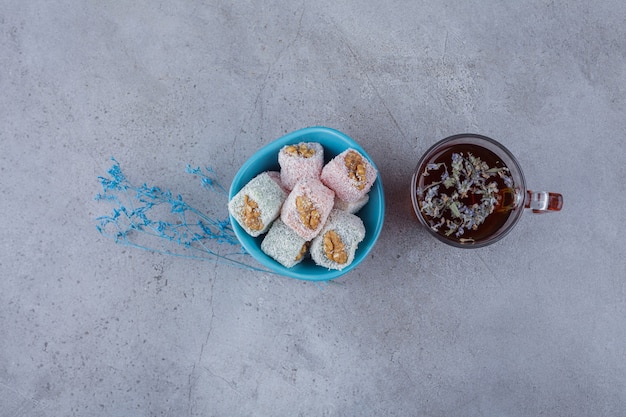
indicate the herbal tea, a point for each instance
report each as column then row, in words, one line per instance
column 465, row 192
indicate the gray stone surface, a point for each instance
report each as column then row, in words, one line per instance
column 533, row 325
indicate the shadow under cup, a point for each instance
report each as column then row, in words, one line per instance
column 469, row 191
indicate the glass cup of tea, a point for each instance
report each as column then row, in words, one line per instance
column 469, row 191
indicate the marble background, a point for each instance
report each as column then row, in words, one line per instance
column 533, row 325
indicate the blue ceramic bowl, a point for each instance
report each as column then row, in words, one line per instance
column 266, row 159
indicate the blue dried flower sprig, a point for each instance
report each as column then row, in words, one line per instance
column 149, row 218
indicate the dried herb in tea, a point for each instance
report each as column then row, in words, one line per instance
column 466, row 194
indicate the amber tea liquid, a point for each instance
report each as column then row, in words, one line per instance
column 505, row 196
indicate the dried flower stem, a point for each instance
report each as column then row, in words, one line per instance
column 141, row 219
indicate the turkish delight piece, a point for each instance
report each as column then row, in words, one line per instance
column 336, row 244
column 352, row 207
column 307, row 207
column 350, row 175
column 300, row 161
column 284, row 245
column 258, row 203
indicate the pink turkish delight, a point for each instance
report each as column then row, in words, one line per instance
column 300, row 161
column 307, row 207
column 350, row 175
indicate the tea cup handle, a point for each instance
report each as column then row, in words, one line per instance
column 543, row 202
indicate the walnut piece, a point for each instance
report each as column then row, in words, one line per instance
column 251, row 214
column 303, row 250
column 309, row 216
column 356, row 168
column 300, row 150
column 334, row 248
